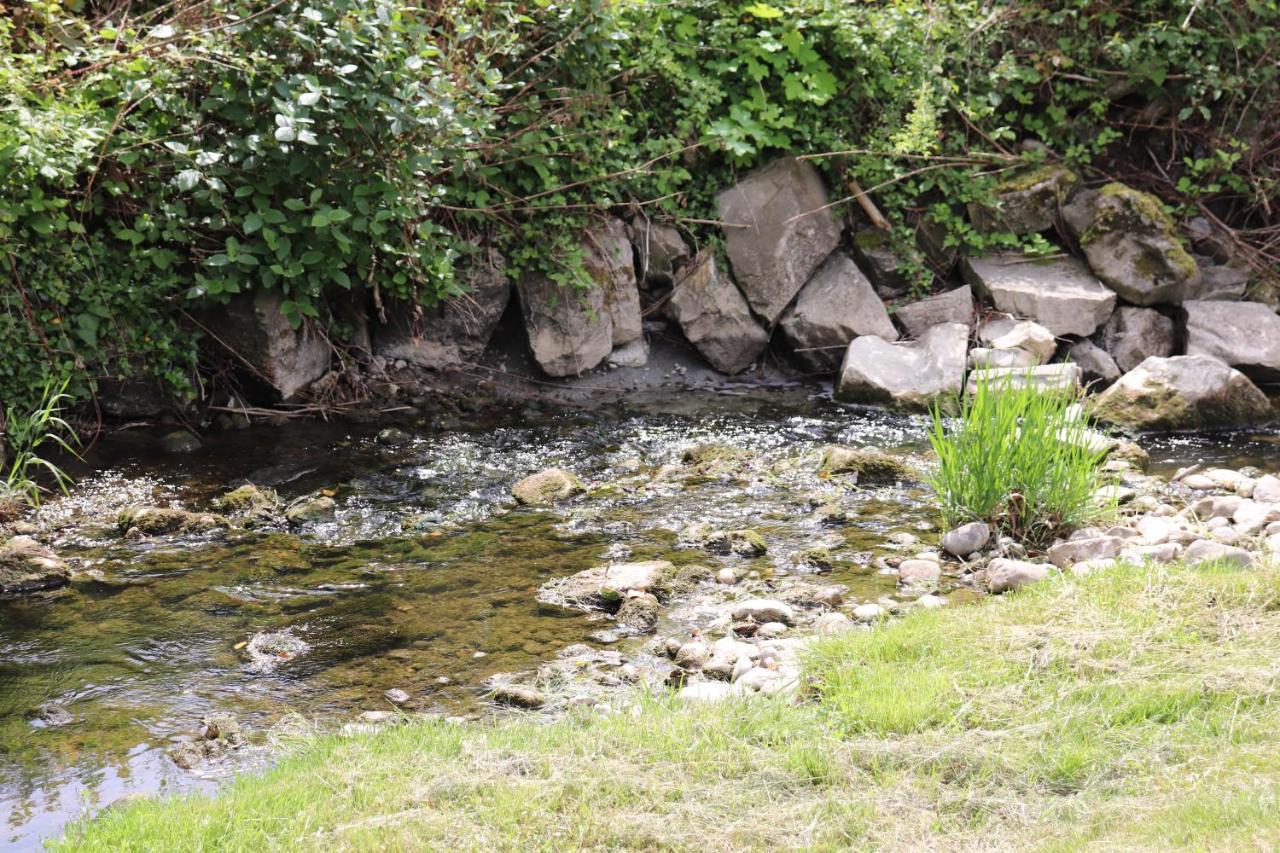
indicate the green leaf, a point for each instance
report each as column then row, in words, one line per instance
column 252, row 223
column 763, row 10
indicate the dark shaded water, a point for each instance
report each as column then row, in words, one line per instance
column 425, row 581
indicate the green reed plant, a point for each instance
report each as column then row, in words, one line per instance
column 1018, row 457
column 28, row 436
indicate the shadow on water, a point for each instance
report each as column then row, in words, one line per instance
column 425, row 581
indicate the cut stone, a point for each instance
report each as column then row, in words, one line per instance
column 954, row 306
column 284, row 359
column 1245, row 335
column 1058, row 293
column 778, row 230
column 455, row 332
column 1130, row 244
column 1048, row 377
column 1133, row 335
column 908, row 375
column 661, row 250
column 568, row 332
column 716, row 319
column 608, row 260
column 1095, row 363
column 837, row 305
column 1027, row 203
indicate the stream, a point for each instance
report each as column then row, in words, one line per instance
column 424, row 580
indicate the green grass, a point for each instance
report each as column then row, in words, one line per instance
column 22, row 435
column 1004, row 461
column 1132, row 709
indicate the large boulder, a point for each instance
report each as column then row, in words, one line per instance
column 660, row 249
column 777, row 231
column 1245, row 335
column 837, row 305
column 1130, row 244
column 1184, row 392
column 954, row 306
column 1058, row 293
column 456, row 331
column 608, row 260
column 1027, row 203
column 715, row 317
column 281, row 360
column 26, row 566
column 1133, row 335
column 568, row 332
column 909, row 375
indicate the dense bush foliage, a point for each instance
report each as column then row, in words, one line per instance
column 157, row 158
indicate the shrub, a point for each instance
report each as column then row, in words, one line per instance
column 1018, row 459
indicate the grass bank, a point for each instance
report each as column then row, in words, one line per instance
column 1133, row 709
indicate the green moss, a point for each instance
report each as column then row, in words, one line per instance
column 871, row 238
column 158, row 521
column 1062, row 178
column 247, row 499
column 871, row 465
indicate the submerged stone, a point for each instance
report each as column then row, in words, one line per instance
column 870, row 464
column 159, row 521
column 604, row 587
column 26, row 566
column 546, row 487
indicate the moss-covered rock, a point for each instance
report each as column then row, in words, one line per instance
column 715, row 460
column 546, row 487
column 160, row 521
column 1130, row 243
column 27, row 566
column 312, row 509
column 248, row 500
column 1182, row 393
column 869, row 464
column 1028, row 202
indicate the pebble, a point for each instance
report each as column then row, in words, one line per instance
column 396, row 696
column 869, row 612
column 1199, row 482
column 727, row 577
column 706, row 691
column 763, row 610
column 830, row 624
column 966, row 539
column 1203, row 551
column 1004, row 575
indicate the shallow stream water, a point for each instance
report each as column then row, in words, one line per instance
column 424, row 581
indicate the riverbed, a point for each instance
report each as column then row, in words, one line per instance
column 424, row 580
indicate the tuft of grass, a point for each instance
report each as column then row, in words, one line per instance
column 1133, row 709
column 1012, row 458
column 24, row 435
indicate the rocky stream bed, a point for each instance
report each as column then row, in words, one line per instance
column 206, row 601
